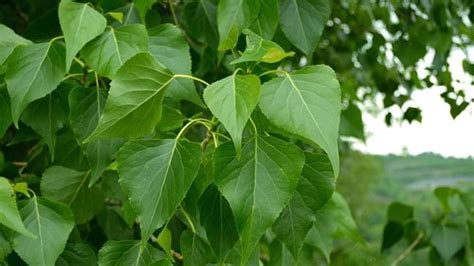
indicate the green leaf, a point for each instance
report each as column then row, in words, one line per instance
column 128, row 252
column 293, row 224
column 303, row 22
column 167, row 44
column 317, row 182
column 70, row 187
column 77, row 254
column 155, row 175
column 110, row 50
column 314, row 190
column 194, row 249
column 218, row 220
column 306, row 102
column 392, row 233
column 86, row 107
column 143, row 6
column 200, row 18
column 5, row 111
column 165, row 239
column 51, row 222
column 448, row 240
column 33, row 71
column 232, row 101
column 135, row 99
column 171, row 119
column 258, row 186
column 399, row 212
column 266, row 23
column 46, row 116
column 333, row 221
column 9, row 215
column 8, row 42
column 130, row 15
column 352, row 123
column 5, row 248
column 232, row 17
column 280, row 255
column 80, row 24
column 261, row 50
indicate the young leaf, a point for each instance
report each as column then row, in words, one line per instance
column 77, row 254
column 47, row 115
column 303, row 22
column 306, row 102
column 9, row 215
column 232, row 101
column 86, row 107
column 51, row 222
column 201, row 21
column 114, row 47
column 70, row 187
column 80, row 24
column 128, row 252
column 33, row 71
column 258, row 186
column 266, row 23
column 167, row 44
column 232, row 17
column 134, row 106
column 155, row 175
column 194, row 249
column 8, row 42
column 218, row 220
column 261, row 50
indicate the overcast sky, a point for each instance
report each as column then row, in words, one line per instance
column 438, row 132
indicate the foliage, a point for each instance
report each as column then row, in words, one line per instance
column 152, row 129
column 446, row 232
column 116, row 147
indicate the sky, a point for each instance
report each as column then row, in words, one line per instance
column 437, row 133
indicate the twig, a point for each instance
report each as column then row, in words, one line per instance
column 407, row 251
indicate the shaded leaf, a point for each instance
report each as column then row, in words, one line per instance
column 266, row 23
column 46, row 116
column 155, row 175
column 77, row 254
column 70, row 187
column 200, row 18
column 195, row 250
column 167, row 44
column 303, row 22
column 218, row 220
column 233, row 17
column 258, row 186
column 86, row 107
